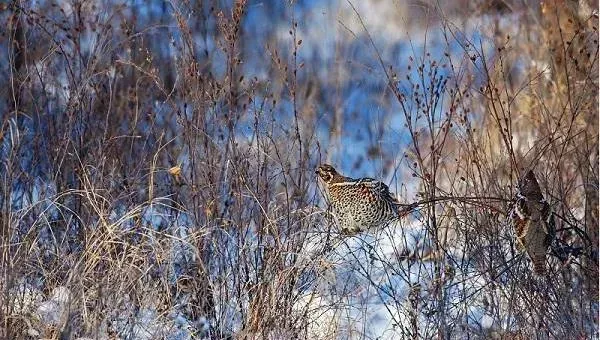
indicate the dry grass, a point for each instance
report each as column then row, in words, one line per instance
column 155, row 186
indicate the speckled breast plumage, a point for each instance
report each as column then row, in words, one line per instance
column 362, row 204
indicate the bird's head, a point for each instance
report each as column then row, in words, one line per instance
column 529, row 186
column 327, row 173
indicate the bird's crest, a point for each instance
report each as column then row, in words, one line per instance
column 529, row 187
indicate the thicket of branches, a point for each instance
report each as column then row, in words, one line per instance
column 158, row 180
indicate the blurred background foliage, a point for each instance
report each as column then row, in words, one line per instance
column 153, row 149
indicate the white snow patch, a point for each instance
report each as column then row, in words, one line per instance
column 55, row 310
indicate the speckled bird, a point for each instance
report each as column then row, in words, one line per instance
column 359, row 204
column 533, row 222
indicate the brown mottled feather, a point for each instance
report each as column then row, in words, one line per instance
column 358, row 204
column 532, row 220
